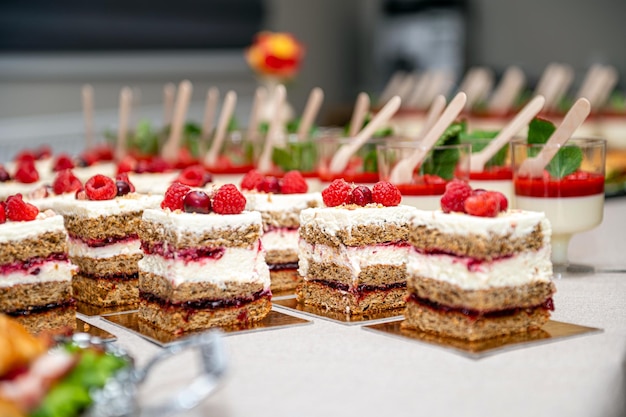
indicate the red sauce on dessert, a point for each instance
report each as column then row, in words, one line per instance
column 32, row 265
column 577, row 184
column 356, row 177
column 492, row 174
column 424, row 185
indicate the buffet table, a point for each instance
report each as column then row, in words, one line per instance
column 329, row 369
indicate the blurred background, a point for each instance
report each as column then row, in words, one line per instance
column 48, row 50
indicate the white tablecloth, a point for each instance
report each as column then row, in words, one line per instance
column 328, row 369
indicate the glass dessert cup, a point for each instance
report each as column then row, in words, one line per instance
column 497, row 174
column 571, row 197
column 441, row 165
column 235, row 158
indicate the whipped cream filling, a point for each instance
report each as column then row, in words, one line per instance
column 333, row 219
column 78, row 248
column 354, row 258
column 281, row 202
column 44, row 223
column 130, row 203
column 235, row 265
column 183, row 224
column 281, row 239
column 469, row 274
column 50, row 271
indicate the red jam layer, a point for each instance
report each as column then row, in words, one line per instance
column 474, row 315
column 206, row 304
column 32, row 265
column 283, row 267
column 113, row 277
column 41, row 309
column 492, row 174
column 356, row 177
column 186, row 254
column 472, row 264
column 98, row 243
column 578, row 184
column 424, row 185
column 359, row 289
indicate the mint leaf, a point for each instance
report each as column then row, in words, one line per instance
column 479, row 139
column 443, row 162
column 300, row 156
column 566, row 160
column 540, row 130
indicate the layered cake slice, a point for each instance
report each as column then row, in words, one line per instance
column 353, row 252
column 478, row 270
column 204, row 264
column 280, row 203
column 35, row 273
column 103, row 226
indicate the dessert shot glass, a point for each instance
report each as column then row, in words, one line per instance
column 497, row 174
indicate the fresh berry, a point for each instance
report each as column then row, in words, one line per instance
column 197, row 202
column 361, row 196
column 124, row 177
column 228, row 200
column 504, row 203
column 294, row 183
column 483, row 205
column 4, row 174
column 141, row 167
column 63, row 161
column 104, row 152
column 43, row 151
column 81, row 194
column 386, row 193
column 18, row 210
column 100, row 187
column 174, row 195
column 478, row 191
column 337, row 193
column 3, row 214
column 26, row 171
column 122, row 187
column 251, row 180
column 455, row 195
column 158, row 165
column 127, row 164
column 88, row 158
column 195, row 176
column 269, row 185
column 66, row 182
column 26, row 155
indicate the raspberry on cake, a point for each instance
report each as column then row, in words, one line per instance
column 201, row 268
column 35, row 273
column 353, row 257
column 104, row 241
column 281, row 221
column 478, row 276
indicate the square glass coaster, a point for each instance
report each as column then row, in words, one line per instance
column 552, row 331
column 337, row 316
column 84, row 327
column 91, row 310
column 130, row 321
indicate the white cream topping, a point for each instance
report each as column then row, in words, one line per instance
column 45, row 222
column 108, row 169
column 10, row 188
column 78, row 248
column 333, row 219
column 152, row 183
column 129, row 203
column 50, row 271
column 513, row 223
column 194, row 223
column 281, row 239
column 354, row 258
column 268, row 202
column 519, row 269
column 236, row 265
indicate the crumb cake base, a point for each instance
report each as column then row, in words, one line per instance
column 285, row 280
column 180, row 319
column 106, row 291
column 25, row 296
column 458, row 325
column 58, row 318
column 320, row 295
column 115, row 265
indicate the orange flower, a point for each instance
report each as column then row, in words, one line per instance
column 274, row 53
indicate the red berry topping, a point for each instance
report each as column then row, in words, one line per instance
column 104, row 152
column 483, row 205
column 88, row 158
column 195, row 176
column 26, row 155
column 100, row 187
column 26, row 171
column 386, row 193
column 361, row 196
column 3, row 214
column 174, row 195
column 62, row 162
column 81, row 194
column 269, row 185
column 228, row 200
column 251, row 180
column 19, row 211
column 122, row 187
column 127, row 164
column 4, row 174
column 124, row 177
column 337, row 193
column 504, row 203
column 158, row 165
column 66, row 182
column 294, row 183
column 43, row 151
column 455, row 195
column 197, row 202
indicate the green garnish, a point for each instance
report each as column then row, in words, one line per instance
column 443, row 162
column 566, row 161
column 296, row 156
column 478, row 141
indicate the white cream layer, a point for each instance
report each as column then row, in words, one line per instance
column 236, row 265
column 354, row 258
column 50, row 271
column 152, row 183
column 523, row 268
column 130, row 203
column 281, row 239
column 45, row 222
column 513, row 223
column 265, row 202
column 182, row 224
column 333, row 219
column 78, row 248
